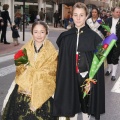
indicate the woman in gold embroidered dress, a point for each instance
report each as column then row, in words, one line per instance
column 34, row 85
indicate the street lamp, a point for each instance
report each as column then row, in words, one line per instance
column 23, row 20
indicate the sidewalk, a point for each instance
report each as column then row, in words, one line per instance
column 6, row 49
column 10, row 48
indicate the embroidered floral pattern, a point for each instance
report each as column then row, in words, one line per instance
column 17, row 108
column 30, row 117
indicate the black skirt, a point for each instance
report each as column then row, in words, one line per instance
column 17, row 108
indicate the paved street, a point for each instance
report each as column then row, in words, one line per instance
column 7, row 74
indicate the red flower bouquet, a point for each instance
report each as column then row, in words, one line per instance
column 21, row 57
column 100, row 54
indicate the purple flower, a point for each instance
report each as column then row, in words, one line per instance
column 99, row 21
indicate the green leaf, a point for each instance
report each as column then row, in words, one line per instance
column 22, row 59
column 25, row 51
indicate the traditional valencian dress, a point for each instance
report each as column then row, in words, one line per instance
column 95, row 26
column 68, row 98
column 34, row 85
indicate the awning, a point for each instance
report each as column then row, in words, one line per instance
column 97, row 3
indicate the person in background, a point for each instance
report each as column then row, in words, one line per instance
column 1, row 20
column 33, row 16
column 27, row 19
column 71, row 21
column 18, row 16
column 108, row 15
column 93, row 24
column 56, row 19
column 31, row 99
column 1, row 23
column 82, row 41
column 6, row 17
column 113, row 57
column 37, row 18
column 61, row 21
column 103, row 15
column 15, row 34
column 42, row 15
column 66, row 20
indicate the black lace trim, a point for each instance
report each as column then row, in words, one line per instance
column 37, row 51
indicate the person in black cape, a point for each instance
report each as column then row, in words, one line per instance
column 68, row 98
column 113, row 56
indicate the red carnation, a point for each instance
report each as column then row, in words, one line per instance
column 21, row 57
column 105, row 46
column 18, row 54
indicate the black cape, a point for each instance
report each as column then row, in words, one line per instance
column 68, row 95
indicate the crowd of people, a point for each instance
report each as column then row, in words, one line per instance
column 49, row 87
column 110, row 18
column 67, row 21
column 113, row 23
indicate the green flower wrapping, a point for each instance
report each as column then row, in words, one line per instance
column 100, row 55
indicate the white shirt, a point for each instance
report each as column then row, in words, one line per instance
column 113, row 28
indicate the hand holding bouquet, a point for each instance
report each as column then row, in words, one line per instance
column 21, row 57
column 102, row 23
column 100, row 54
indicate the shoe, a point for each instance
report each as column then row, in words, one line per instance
column 6, row 43
column 1, row 41
column 107, row 73
column 113, row 78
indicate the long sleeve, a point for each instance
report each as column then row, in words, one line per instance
column 8, row 17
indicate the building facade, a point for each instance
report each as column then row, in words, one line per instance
column 66, row 7
column 32, row 8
